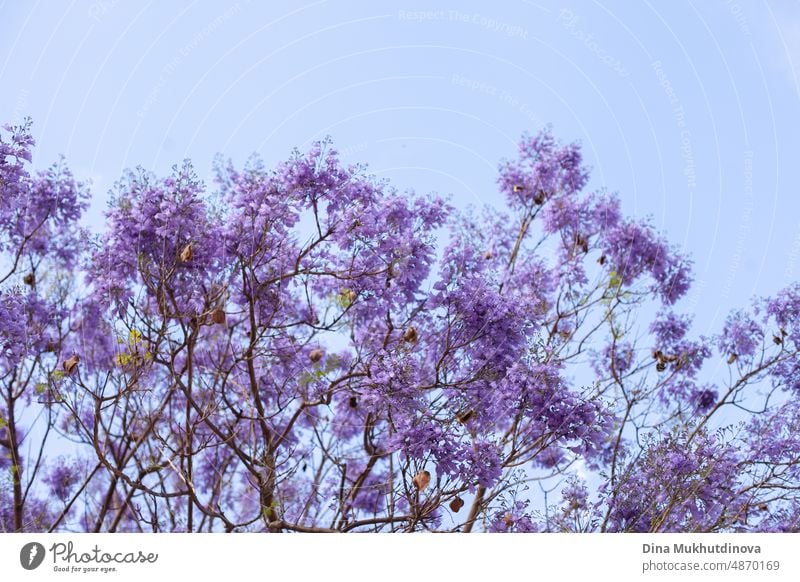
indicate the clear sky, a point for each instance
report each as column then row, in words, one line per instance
column 688, row 109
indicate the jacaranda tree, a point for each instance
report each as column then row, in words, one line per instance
column 307, row 349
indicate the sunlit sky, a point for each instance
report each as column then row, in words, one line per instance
column 688, row 109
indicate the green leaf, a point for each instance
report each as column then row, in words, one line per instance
column 40, row 387
column 332, row 362
column 343, row 298
column 305, row 379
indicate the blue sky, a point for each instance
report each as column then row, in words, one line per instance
column 688, row 109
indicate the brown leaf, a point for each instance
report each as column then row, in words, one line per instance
column 732, row 358
column 464, row 416
column 187, row 254
column 71, row 363
column 421, row 480
column 410, row 335
column 518, row 188
column 218, row 316
column 582, row 243
column 456, row 504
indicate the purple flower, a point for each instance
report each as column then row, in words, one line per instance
column 545, row 169
column 62, row 478
column 740, row 335
column 634, row 249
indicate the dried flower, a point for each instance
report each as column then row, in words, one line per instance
column 71, row 363
column 187, row 254
column 218, row 316
column 421, row 480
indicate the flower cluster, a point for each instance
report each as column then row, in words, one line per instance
column 545, row 169
column 682, row 482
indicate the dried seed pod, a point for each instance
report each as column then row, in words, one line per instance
column 661, row 366
column 52, row 346
column 464, row 416
column 218, row 316
column 540, row 197
column 71, row 363
column 421, row 480
column 518, row 188
column 456, row 504
column 353, row 402
column 29, row 279
column 669, row 358
column 582, row 243
column 732, row 358
column 487, row 255
column 410, row 335
column 315, row 355
column 777, row 340
column 658, row 355
column 601, row 260
column 187, row 254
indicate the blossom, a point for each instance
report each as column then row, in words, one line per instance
column 513, row 518
column 545, row 169
column 634, row 249
column 678, row 484
column 62, row 478
column 740, row 335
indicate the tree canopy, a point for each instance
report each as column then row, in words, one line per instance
column 305, row 348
